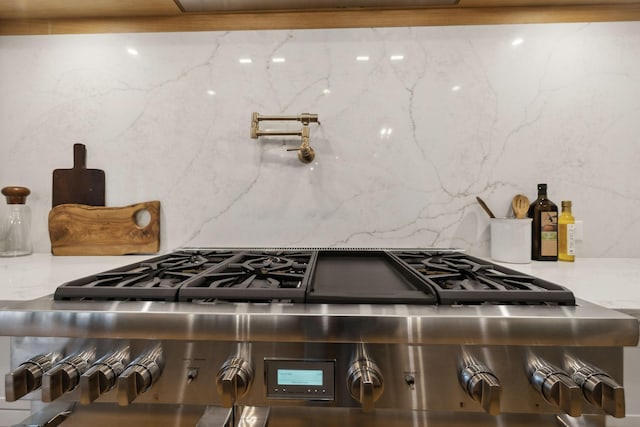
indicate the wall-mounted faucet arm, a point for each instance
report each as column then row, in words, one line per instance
column 306, row 154
column 269, row 132
column 304, row 118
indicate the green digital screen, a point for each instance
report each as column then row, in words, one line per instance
column 299, row 377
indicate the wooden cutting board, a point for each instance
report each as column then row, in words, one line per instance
column 97, row 230
column 78, row 184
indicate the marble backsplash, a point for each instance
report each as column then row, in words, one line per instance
column 415, row 123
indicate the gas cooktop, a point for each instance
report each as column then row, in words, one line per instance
column 352, row 276
column 402, row 331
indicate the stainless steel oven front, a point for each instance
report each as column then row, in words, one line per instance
column 161, row 363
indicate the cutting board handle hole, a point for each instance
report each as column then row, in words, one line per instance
column 142, row 218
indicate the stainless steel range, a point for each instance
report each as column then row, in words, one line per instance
column 316, row 337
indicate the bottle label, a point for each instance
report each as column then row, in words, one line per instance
column 571, row 239
column 549, row 233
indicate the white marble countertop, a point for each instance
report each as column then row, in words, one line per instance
column 610, row 282
column 33, row 276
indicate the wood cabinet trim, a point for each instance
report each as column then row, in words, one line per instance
column 325, row 19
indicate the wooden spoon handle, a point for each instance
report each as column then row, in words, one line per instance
column 485, row 207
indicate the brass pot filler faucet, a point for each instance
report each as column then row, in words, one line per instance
column 306, row 154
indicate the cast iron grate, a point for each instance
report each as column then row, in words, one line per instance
column 157, row 279
column 462, row 279
column 254, row 276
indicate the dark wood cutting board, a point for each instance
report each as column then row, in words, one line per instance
column 79, row 184
column 98, row 230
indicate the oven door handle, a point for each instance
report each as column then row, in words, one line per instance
column 50, row 416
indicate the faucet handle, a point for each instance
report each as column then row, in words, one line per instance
column 306, row 154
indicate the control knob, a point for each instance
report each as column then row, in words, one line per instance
column 365, row 382
column 140, row 375
column 65, row 375
column 481, row 384
column 234, row 379
column 28, row 376
column 597, row 387
column 102, row 375
column 556, row 386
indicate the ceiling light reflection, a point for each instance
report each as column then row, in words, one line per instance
column 132, row 51
column 516, row 42
column 362, row 58
column 245, row 60
column 385, row 132
column 211, row 92
column 456, row 88
column 397, row 57
column 277, row 60
column 326, row 91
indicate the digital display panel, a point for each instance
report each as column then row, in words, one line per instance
column 306, row 377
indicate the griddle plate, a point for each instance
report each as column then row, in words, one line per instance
column 366, row 278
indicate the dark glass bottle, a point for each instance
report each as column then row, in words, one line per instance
column 544, row 227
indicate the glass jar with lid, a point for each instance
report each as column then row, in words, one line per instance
column 15, row 223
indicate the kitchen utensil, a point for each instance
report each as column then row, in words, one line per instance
column 485, row 207
column 78, row 184
column 96, row 230
column 520, row 206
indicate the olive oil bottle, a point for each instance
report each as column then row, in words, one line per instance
column 544, row 227
column 566, row 233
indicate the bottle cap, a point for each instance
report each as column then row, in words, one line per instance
column 566, row 203
column 542, row 186
column 16, row 195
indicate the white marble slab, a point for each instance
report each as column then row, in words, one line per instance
column 408, row 138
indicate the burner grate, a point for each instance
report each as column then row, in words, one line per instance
column 254, row 276
column 156, row 279
column 462, row 279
